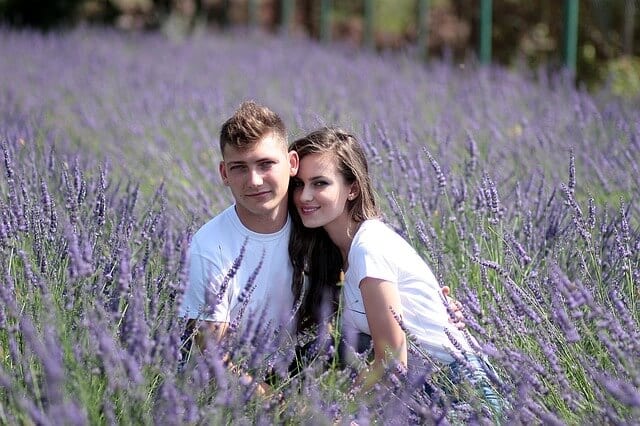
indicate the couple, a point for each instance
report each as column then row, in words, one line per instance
column 304, row 219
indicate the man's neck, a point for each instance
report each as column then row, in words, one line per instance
column 263, row 224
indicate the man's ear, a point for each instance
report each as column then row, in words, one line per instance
column 223, row 173
column 294, row 163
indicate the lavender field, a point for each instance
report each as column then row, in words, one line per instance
column 520, row 190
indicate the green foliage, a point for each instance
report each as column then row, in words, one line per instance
column 624, row 76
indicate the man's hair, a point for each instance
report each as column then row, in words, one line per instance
column 250, row 123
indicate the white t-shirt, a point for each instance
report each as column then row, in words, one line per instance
column 212, row 253
column 379, row 252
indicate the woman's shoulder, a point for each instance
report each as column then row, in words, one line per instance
column 376, row 223
column 385, row 237
column 377, row 227
column 376, row 233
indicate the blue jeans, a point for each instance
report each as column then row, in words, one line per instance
column 476, row 370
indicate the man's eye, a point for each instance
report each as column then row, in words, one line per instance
column 267, row 164
column 237, row 168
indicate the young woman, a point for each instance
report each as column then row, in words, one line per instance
column 338, row 236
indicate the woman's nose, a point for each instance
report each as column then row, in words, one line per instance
column 306, row 194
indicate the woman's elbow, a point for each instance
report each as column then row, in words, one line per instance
column 395, row 349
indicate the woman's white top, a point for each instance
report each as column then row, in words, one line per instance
column 379, row 252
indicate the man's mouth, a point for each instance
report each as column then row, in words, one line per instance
column 258, row 194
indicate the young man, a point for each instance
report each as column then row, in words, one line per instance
column 256, row 166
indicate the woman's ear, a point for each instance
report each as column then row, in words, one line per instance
column 354, row 191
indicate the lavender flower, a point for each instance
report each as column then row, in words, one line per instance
column 441, row 178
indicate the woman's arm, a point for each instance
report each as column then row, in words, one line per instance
column 381, row 299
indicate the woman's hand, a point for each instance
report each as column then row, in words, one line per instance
column 454, row 308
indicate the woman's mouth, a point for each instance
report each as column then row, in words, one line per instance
column 308, row 210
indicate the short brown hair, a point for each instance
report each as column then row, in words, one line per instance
column 250, row 123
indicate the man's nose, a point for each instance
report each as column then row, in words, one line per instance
column 255, row 178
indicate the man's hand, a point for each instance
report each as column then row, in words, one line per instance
column 454, row 308
column 262, row 389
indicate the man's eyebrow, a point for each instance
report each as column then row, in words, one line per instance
column 259, row 160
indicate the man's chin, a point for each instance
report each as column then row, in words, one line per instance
column 266, row 209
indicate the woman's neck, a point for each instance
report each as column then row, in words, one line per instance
column 342, row 233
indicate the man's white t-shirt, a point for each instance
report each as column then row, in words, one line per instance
column 379, row 252
column 265, row 263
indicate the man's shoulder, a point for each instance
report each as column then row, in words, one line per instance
column 217, row 228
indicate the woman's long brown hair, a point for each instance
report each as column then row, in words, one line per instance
column 311, row 251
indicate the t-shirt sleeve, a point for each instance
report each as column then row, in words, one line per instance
column 372, row 262
column 200, row 300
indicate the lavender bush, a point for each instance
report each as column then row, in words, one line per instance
column 518, row 189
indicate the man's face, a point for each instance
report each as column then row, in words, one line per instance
column 259, row 178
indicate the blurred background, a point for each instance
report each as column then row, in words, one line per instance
column 523, row 33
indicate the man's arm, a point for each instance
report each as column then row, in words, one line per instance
column 202, row 327
column 207, row 331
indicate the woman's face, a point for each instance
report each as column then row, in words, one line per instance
column 320, row 192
